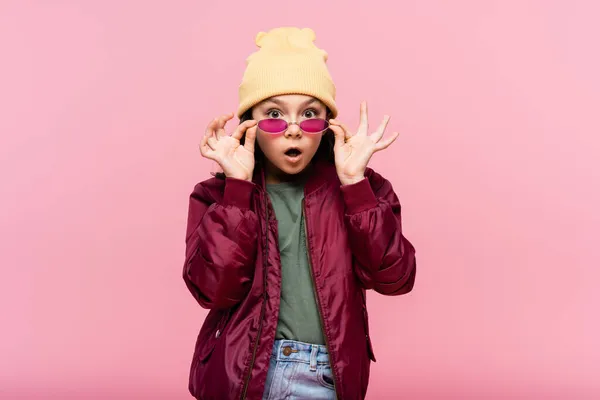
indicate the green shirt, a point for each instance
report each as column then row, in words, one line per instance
column 299, row 317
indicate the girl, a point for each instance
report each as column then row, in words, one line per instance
column 282, row 245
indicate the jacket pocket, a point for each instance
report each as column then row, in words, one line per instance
column 211, row 338
column 370, row 351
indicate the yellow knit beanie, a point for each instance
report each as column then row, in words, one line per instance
column 287, row 62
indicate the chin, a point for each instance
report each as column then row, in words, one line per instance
column 288, row 169
column 292, row 170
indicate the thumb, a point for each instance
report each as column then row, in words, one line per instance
column 250, row 139
column 339, row 136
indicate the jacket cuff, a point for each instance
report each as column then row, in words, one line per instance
column 238, row 193
column 359, row 197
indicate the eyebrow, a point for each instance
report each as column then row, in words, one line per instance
column 281, row 103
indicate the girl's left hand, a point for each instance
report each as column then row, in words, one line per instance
column 353, row 151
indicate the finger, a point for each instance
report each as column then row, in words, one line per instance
column 211, row 128
column 205, row 150
column 203, row 143
column 250, row 139
column 339, row 135
column 347, row 132
column 378, row 134
column 222, row 121
column 212, row 145
column 210, row 133
column 239, row 132
column 384, row 144
column 363, row 128
column 212, row 142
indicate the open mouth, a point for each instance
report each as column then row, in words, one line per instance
column 293, row 152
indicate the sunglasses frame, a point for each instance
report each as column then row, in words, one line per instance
column 327, row 124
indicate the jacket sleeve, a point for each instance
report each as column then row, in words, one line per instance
column 384, row 260
column 221, row 244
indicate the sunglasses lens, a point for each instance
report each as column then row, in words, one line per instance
column 272, row 125
column 314, row 125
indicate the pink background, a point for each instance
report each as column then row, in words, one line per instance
column 103, row 104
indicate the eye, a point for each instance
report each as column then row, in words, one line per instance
column 274, row 114
column 310, row 113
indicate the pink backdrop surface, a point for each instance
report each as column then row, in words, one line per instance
column 103, row 104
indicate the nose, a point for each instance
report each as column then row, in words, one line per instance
column 293, row 131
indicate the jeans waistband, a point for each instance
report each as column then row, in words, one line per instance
column 293, row 351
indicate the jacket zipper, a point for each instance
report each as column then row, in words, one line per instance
column 317, row 298
column 366, row 323
column 264, row 302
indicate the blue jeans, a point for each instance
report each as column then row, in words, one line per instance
column 299, row 371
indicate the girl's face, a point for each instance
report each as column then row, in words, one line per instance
column 291, row 151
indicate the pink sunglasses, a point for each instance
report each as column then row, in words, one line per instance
column 276, row 126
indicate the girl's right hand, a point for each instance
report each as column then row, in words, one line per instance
column 237, row 161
